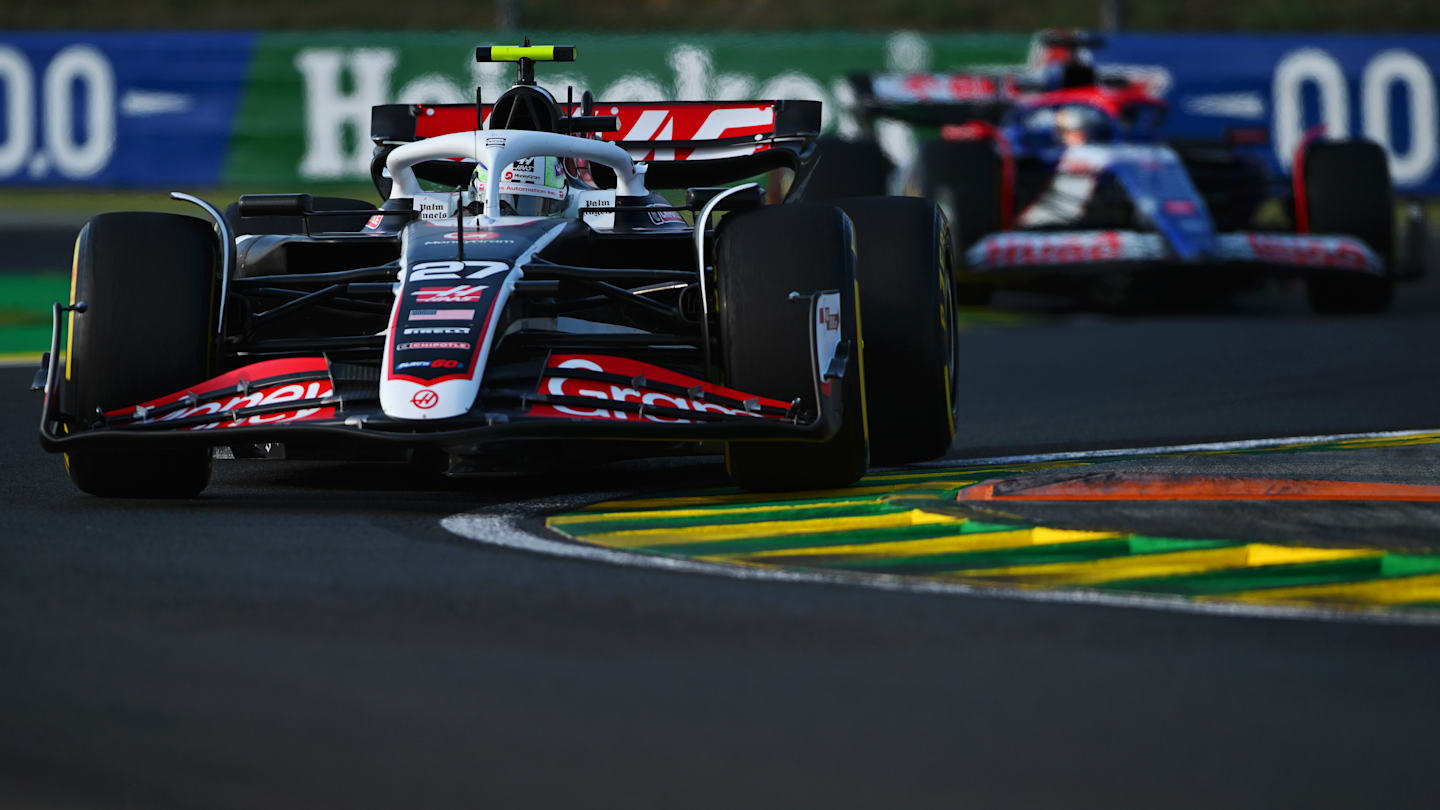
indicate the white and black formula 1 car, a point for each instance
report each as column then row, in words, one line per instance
column 534, row 304
column 1059, row 179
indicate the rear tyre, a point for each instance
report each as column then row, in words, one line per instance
column 1348, row 191
column 964, row 179
column 847, row 169
column 148, row 283
column 761, row 257
column 283, row 225
column 911, row 337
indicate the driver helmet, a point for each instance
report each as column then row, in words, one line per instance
column 1079, row 124
column 531, row 187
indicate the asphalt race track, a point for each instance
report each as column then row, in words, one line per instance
column 308, row 635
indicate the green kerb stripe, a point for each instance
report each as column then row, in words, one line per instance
column 1021, row 555
column 799, row 541
column 1264, row 576
column 690, row 522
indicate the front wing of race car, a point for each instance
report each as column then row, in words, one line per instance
column 569, row 395
column 1097, row 251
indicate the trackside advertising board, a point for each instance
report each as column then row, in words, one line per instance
column 1377, row 87
column 119, row 109
column 275, row 111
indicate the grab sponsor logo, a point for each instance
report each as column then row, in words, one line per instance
column 1309, row 251
column 555, row 384
column 1040, row 249
column 267, row 396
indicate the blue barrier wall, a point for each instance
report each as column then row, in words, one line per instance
column 1379, row 87
column 119, row 109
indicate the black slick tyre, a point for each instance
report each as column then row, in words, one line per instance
column 761, row 257
column 148, row 283
column 964, row 179
column 911, row 338
column 847, row 169
column 1348, row 191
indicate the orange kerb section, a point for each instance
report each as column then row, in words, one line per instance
column 1109, row 487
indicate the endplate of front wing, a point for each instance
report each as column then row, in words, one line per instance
column 570, row 396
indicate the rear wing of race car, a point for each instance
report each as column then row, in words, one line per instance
column 933, row 99
column 685, row 143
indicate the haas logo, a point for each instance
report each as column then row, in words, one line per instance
column 460, row 293
column 425, row 400
column 829, row 318
column 701, row 123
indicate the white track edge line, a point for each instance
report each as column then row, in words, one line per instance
column 1161, row 450
column 505, row 531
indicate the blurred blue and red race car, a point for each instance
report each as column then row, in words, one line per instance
column 1058, row 178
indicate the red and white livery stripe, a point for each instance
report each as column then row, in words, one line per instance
column 555, row 383
column 238, row 395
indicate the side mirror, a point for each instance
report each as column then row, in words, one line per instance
column 275, row 205
column 697, row 198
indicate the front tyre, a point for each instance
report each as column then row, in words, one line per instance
column 761, row 257
column 148, row 283
column 847, row 169
column 911, row 338
column 964, row 178
column 1348, row 191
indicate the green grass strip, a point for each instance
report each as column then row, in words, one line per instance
column 25, row 301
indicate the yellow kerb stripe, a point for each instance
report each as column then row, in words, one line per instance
column 949, row 544
column 1396, row 591
column 769, row 528
column 1173, row 564
column 667, row 514
column 70, row 316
